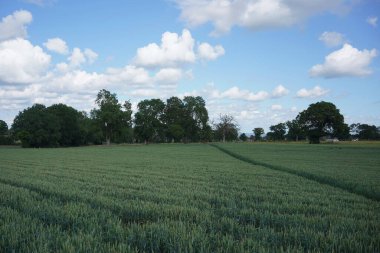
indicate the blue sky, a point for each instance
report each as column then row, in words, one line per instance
column 261, row 61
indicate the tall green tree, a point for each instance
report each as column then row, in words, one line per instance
column 295, row 130
column 243, row 137
column 174, row 119
column 196, row 119
column 321, row 119
column 3, row 127
column 112, row 116
column 258, row 132
column 148, row 121
column 5, row 138
column 69, row 124
column 37, row 127
column 368, row 132
column 277, row 132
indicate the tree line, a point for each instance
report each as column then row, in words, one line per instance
column 175, row 120
column 318, row 121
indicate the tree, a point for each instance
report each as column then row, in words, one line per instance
column 243, row 137
column 3, row 127
column 148, row 120
column 295, row 130
column 368, row 132
column 5, row 138
column 36, row 127
column 277, row 132
column 227, row 128
column 258, row 132
column 111, row 116
column 321, row 119
column 173, row 119
column 69, row 124
column 196, row 119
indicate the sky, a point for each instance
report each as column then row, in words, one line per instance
column 260, row 61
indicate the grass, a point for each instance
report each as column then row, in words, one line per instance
column 172, row 198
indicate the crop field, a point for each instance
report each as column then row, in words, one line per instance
column 190, row 198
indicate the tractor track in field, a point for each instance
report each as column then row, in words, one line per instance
column 352, row 188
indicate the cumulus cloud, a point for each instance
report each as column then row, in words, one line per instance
column 57, row 45
column 347, row 61
column 315, row 92
column 129, row 75
column 21, row 62
column 208, row 52
column 237, row 93
column 332, row 39
column 168, row 76
column 280, row 91
column 14, row 26
column 175, row 51
column 253, row 14
column 90, row 55
column 372, row 21
column 79, row 57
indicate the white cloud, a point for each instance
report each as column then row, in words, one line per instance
column 208, row 52
column 174, row 50
column 76, row 58
column 168, row 76
column 90, row 55
column 14, row 26
column 347, row 61
column 276, row 107
column 21, row 62
column 372, row 21
column 129, row 75
column 280, row 91
column 79, row 57
column 57, row 45
column 253, row 14
column 312, row 93
column 236, row 93
column 332, row 39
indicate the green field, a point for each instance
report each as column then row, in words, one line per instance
column 189, row 198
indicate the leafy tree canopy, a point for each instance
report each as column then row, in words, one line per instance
column 321, row 119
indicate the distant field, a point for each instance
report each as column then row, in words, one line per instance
column 187, row 198
column 354, row 166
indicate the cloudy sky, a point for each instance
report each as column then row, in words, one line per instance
column 261, row 61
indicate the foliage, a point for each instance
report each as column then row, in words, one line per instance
column 243, row 137
column 111, row 116
column 295, row 131
column 258, row 132
column 174, row 120
column 277, row 132
column 227, row 128
column 148, row 121
column 69, row 125
column 178, row 198
column 321, row 119
column 364, row 131
column 3, row 127
column 36, row 127
column 196, row 120
column 5, row 137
